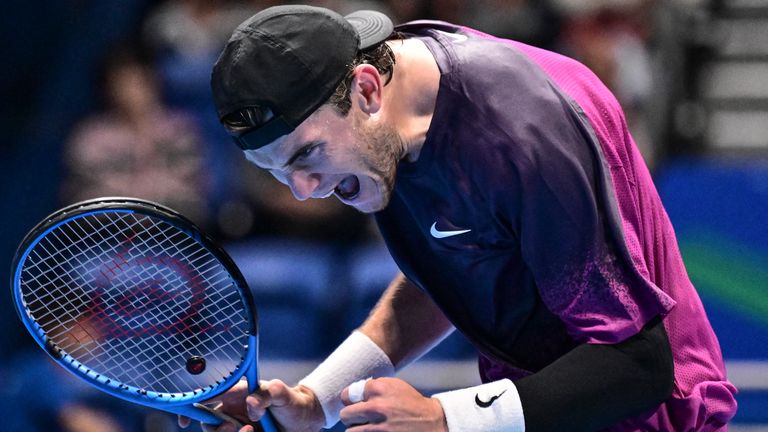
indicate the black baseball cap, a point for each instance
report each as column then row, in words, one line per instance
column 289, row 60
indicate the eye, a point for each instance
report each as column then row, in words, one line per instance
column 306, row 151
column 303, row 153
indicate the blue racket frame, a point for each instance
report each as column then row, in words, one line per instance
column 177, row 403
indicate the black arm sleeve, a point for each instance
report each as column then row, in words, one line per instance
column 595, row 386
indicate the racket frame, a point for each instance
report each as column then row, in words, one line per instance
column 177, row 403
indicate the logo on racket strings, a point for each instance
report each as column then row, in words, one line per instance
column 144, row 294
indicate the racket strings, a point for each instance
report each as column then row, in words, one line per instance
column 56, row 260
column 61, row 295
column 63, row 269
column 85, row 284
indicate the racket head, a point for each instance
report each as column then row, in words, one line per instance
column 133, row 298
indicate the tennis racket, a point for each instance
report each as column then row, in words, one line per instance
column 134, row 299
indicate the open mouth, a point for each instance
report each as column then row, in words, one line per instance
column 348, row 188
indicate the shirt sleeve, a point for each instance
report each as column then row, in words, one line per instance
column 570, row 231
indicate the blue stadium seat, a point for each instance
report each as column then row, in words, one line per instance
column 291, row 282
column 371, row 270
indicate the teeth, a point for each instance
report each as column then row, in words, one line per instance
column 348, row 188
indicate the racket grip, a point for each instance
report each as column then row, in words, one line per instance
column 218, row 415
column 198, row 412
column 268, row 422
column 208, row 415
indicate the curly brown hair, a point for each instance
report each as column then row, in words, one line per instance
column 379, row 56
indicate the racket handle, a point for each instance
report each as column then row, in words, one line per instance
column 219, row 415
column 208, row 415
column 268, row 422
column 199, row 412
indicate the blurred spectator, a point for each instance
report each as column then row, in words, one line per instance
column 610, row 37
column 191, row 28
column 82, row 418
column 187, row 36
column 136, row 146
column 533, row 22
column 453, row 11
column 408, row 10
column 38, row 395
column 345, row 7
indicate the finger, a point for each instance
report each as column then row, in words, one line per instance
column 360, row 414
column 184, row 422
column 231, row 397
column 364, row 428
column 354, row 393
column 216, row 412
column 270, row 393
column 257, row 402
column 256, row 407
column 279, row 392
column 354, row 421
column 224, row 427
column 246, row 428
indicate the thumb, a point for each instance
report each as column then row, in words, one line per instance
column 270, row 393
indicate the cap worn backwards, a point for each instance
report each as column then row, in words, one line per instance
column 289, row 59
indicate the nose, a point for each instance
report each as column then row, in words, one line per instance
column 303, row 184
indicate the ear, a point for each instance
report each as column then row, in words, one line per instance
column 367, row 89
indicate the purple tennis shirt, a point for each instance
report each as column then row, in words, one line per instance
column 532, row 220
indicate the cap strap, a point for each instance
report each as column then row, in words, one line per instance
column 261, row 136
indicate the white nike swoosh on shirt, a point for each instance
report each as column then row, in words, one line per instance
column 455, row 36
column 443, row 234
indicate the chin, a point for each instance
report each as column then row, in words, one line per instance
column 377, row 200
column 369, row 207
column 373, row 204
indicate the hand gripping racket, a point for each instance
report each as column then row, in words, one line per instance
column 134, row 299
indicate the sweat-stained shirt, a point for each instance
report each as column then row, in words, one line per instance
column 532, row 221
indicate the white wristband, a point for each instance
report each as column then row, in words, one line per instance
column 358, row 357
column 490, row 407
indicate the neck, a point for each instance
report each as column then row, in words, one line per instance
column 409, row 98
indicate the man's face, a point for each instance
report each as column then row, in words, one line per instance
column 352, row 157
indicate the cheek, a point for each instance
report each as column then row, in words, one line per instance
column 280, row 177
column 340, row 159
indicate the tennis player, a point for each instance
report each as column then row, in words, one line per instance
column 514, row 201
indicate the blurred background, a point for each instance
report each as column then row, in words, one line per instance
column 112, row 98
